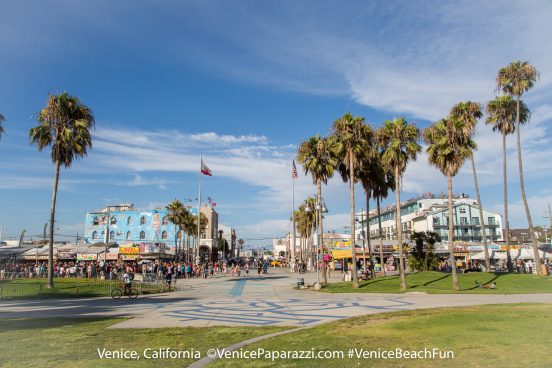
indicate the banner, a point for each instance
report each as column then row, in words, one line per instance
column 109, row 257
column 129, row 250
column 87, row 257
column 127, row 257
column 66, row 254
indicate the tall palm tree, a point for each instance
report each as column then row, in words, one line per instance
column 305, row 222
column 448, row 148
column 470, row 112
column 65, row 124
column 384, row 180
column 177, row 215
column 319, row 157
column 501, row 114
column 353, row 136
column 514, row 80
column 399, row 143
column 367, row 173
column 1, row 127
column 190, row 228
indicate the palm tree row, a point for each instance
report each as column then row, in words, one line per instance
column 378, row 159
column 186, row 223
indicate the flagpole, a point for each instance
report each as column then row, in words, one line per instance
column 199, row 210
column 292, row 214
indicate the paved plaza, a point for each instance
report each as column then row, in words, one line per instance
column 224, row 301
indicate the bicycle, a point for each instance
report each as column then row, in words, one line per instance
column 121, row 290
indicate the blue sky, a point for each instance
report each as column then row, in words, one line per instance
column 245, row 82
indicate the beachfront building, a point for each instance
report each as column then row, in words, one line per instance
column 430, row 213
column 126, row 225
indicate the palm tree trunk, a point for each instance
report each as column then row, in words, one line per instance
column 483, row 229
column 506, row 220
column 367, row 232
column 522, row 188
column 50, row 283
column 399, row 228
column 364, row 241
column 321, row 241
column 352, row 193
column 380, row 237
column 451, row 236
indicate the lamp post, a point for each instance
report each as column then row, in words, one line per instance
column 320, row 207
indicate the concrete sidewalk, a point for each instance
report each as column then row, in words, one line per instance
column 253, row 301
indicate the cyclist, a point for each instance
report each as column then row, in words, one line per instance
column 126, row 281
column 168, row 279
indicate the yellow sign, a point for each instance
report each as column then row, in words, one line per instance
column 340, row 254
column 129, row 250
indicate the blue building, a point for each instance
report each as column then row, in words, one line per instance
column 126, row 224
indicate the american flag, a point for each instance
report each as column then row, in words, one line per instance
column 211, row 202
column 294, row 171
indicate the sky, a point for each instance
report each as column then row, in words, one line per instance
column 245, row 82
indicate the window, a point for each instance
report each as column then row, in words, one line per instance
column 164, row 235
column 142, row 220
column 129, row 220
column 475, row 220
column 463, row 220
column 111, row 235
column 95, row 235
column 491, row 220
column 142, row 235
column 436, row 221
column 113, row 220
column 95, row 220
column 165, row 220
column 127, row 235
column 179, row 235
column 462, row 210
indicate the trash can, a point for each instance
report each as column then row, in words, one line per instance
column 300, row 282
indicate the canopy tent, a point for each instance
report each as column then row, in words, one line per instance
column 514, row 254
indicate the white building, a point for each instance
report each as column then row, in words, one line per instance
column 430, row 213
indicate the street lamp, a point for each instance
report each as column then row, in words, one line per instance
column 320, row 207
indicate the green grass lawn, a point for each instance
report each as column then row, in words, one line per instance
column 437, row 282
column 64, row 343
column 483, row 336
column 70, row 287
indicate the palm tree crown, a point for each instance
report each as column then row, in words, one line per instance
column 65, row 123
column 318, row 156
column 517, row 78
column 448, row 145
column 501, row 114
column 399, row 142
column 469, row 112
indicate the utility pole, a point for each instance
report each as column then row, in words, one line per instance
column 548, row 215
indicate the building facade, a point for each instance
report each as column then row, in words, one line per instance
column 124, row 224
column 431, row 214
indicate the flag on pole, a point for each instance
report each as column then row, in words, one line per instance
column 294, row 171
column 211, row 202
column 205, row 170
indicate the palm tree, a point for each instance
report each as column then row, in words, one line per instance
column 514, row 80
column 384, row 180
column 190, row 228
column 470, row 112
column 501, row 114
column 305, row 222
column 448, row 148
column 1, row 127
column 399, row 143
column 353, row 137
column 319, row 157
column 177, row 215
column 241, row 242
column 367, row 173
column 65, row 124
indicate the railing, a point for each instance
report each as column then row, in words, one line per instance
column 37, row 288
